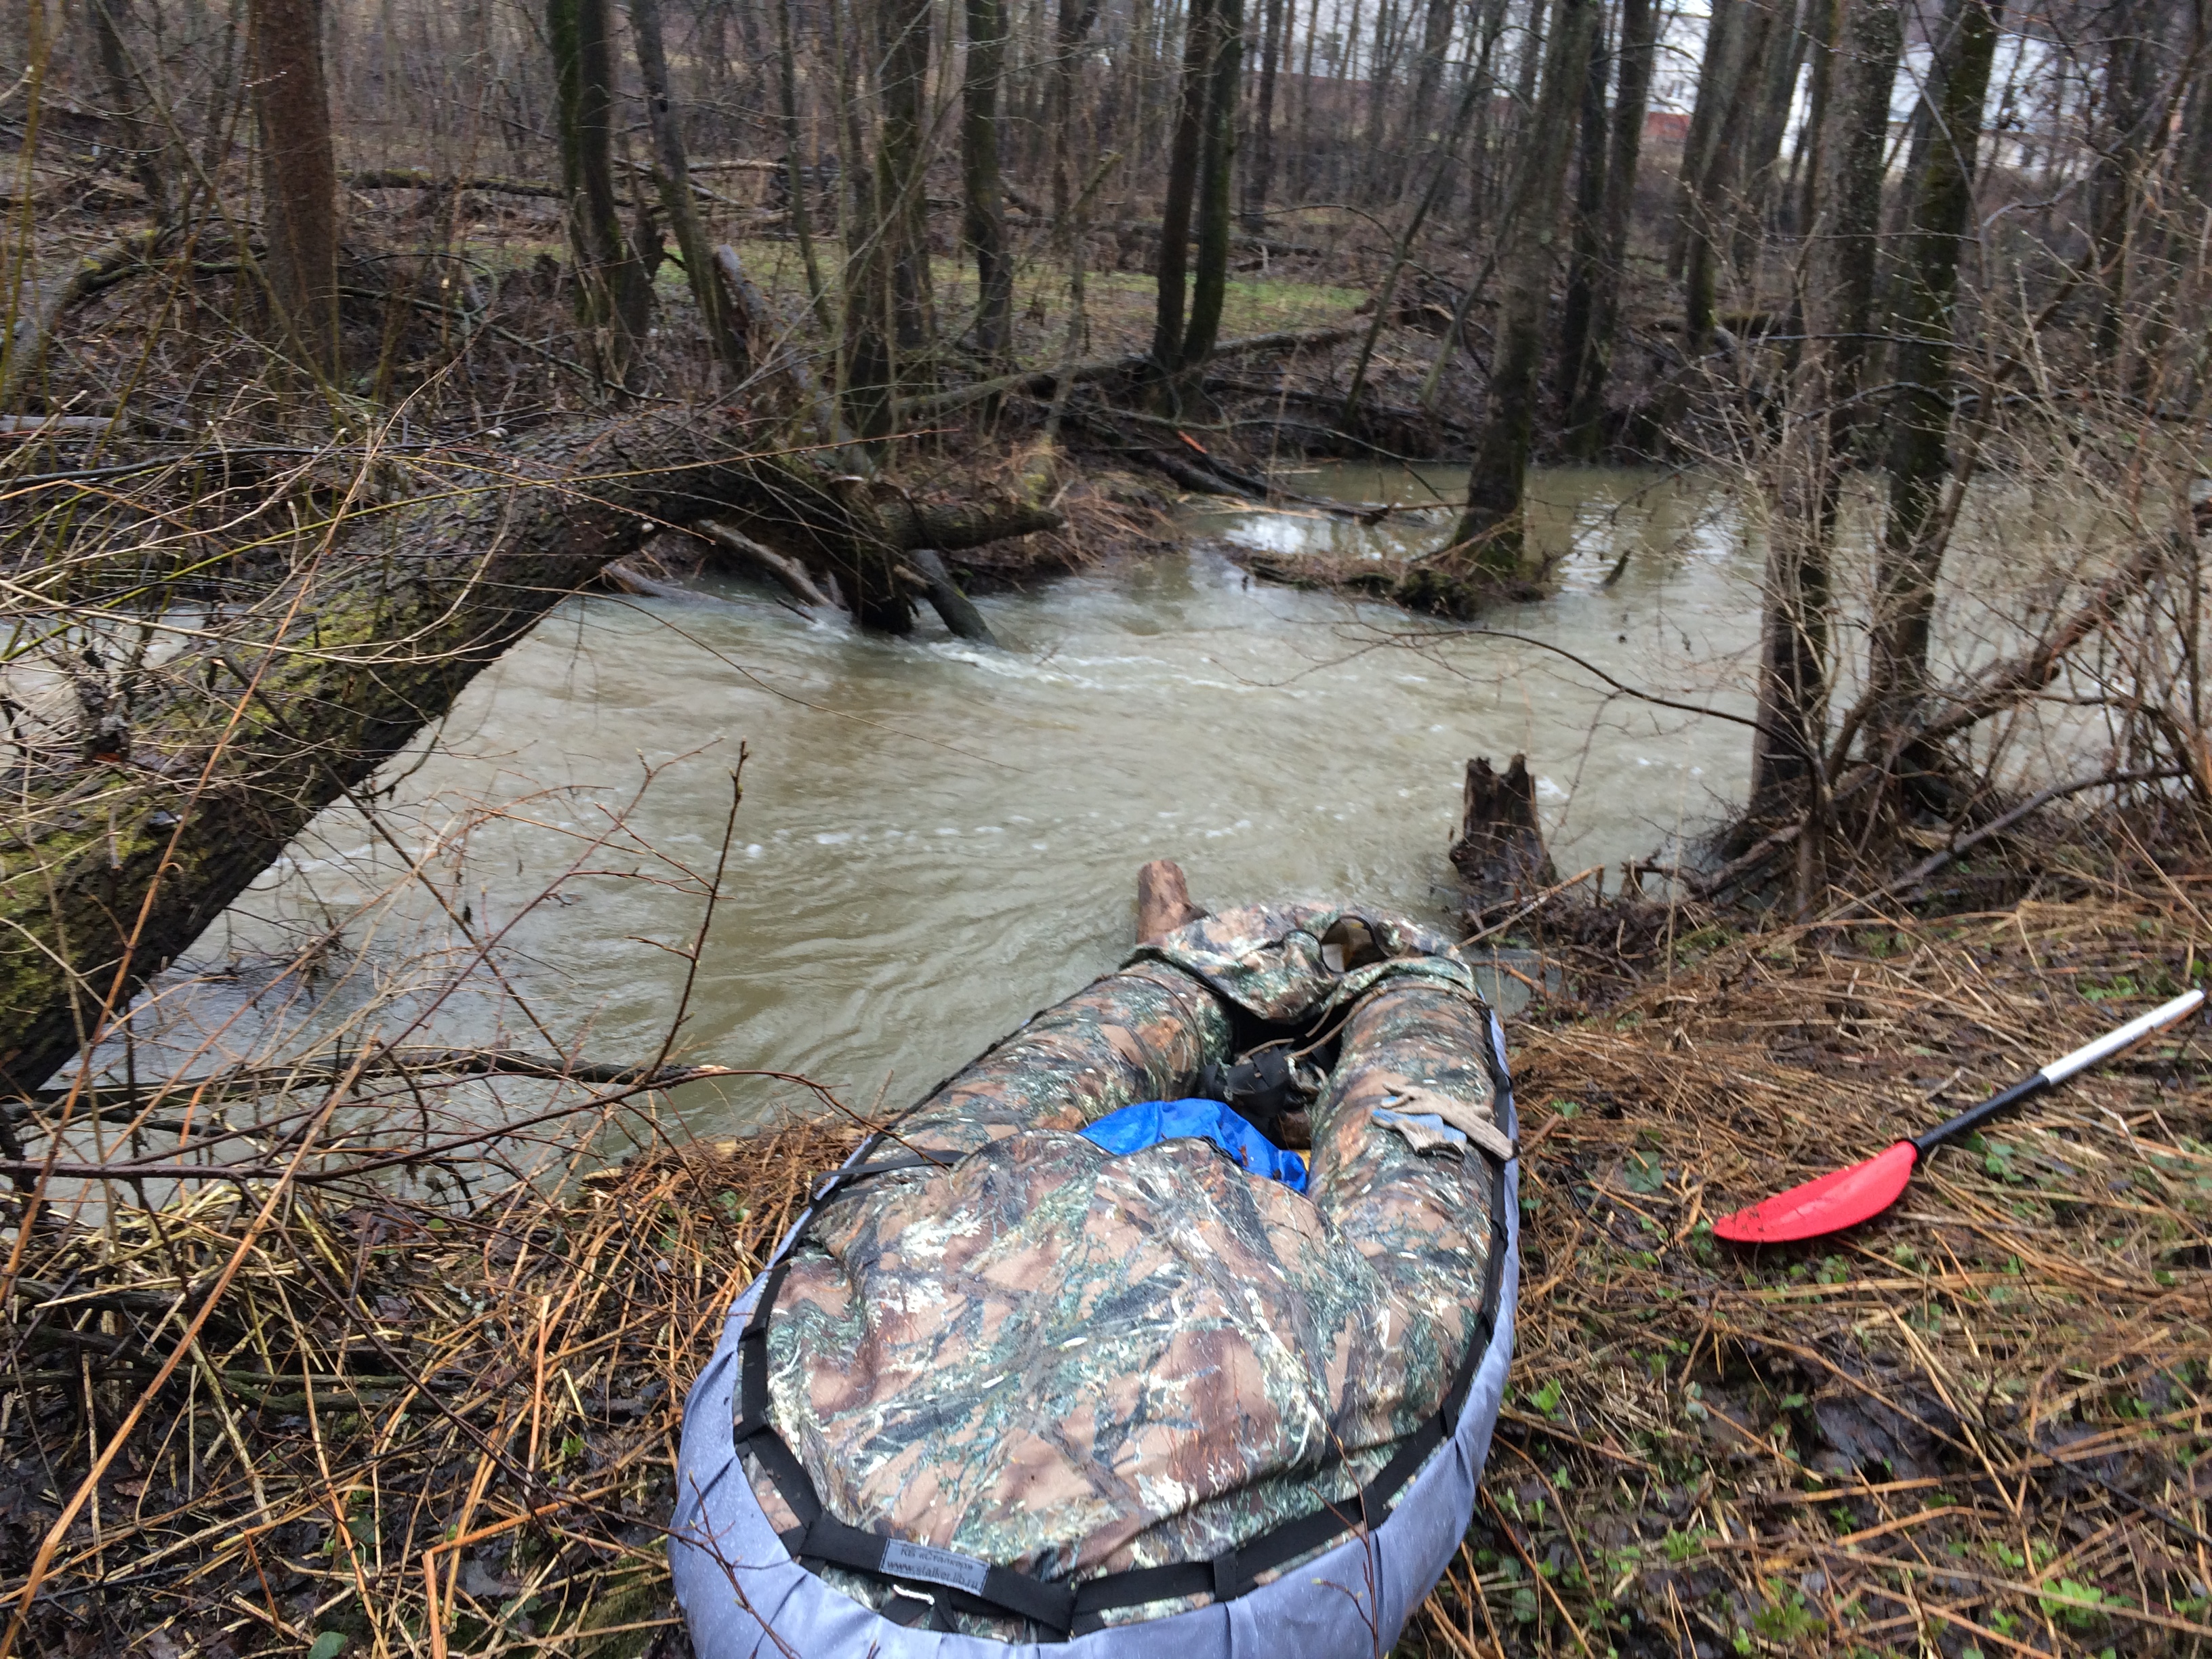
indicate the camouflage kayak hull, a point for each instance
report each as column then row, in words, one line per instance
column 1001, row 1388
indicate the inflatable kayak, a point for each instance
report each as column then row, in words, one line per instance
column 1081, row 1353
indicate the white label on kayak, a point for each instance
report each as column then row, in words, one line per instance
column 904, row 1560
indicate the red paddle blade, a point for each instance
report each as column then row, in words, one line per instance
column 1826, row 1205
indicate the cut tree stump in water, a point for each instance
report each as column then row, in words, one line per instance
column 1500, row 853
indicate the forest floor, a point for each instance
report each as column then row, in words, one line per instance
column 1974, row 1424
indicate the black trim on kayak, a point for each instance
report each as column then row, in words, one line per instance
column 933, row 1579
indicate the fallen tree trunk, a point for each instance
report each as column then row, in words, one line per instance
column 955, row 609
column 23, row 352
column 1043, row 382
column 184, row 780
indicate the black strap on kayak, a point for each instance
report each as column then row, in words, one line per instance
column 930, row 1580
column 1233, row 1572
column 850, row 1175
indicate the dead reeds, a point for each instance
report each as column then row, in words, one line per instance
column 1974, row 1424
column 393, row 1426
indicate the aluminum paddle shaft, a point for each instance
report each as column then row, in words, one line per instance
column 2059, row 1070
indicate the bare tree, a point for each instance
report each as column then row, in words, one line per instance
column 300, row 178
column 1487, row 545
column 614, row 295
column 984, row 222
column 671, row 178
column 1836, row 305
column 1919, row 454
column 1590, row 368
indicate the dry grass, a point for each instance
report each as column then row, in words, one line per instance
column 1974, row 1424
column 1953, row 1428
column 424, row 1429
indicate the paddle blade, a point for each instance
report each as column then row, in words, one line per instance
column 1826, row 1205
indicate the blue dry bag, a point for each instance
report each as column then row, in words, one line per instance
column 1148, row 1122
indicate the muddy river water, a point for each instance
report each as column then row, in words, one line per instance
column 936, row 840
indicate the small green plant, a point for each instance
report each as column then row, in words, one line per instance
column 1791, row 1622
column 1681, row 1546
column 1547, row 1398
column 1645, row 1174
column 2075, row 1604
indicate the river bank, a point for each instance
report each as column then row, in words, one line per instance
column 419, row 1421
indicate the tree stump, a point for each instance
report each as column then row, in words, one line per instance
column 1500, row 853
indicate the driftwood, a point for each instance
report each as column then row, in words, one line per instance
column 1162, row 900
column 789, row 572
column 189, row 777
column 626, row 578
column 956, row 610
column 1500, row 853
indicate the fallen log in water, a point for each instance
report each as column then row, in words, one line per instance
column 185, row 776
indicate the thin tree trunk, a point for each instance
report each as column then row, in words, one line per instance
column 1302, row 180
column 1843, row 209
column 1857, row 149
column 2130, row 96
column 1439, row 181
column 613, row 294
column 1347, row 57
column 1216, row 171
column 802, row 212
column 300, row 179
column 1480, row 147
column 1183, row 162
column 1428, row 76
column 336, row 670
column 1382, row 67
column 866, row 367
column 982, row 210
column 134, row 111
column 902, row 160
column 1821, row 24
column 1576, row 314
column 1712, row 203
column 1070, row 215
column 1489, row 542
column 1767, row 122
column 1912, row 553
column 671, row 178
column 1715, row 73
column 984, row 221
column 1260, row 169
column 1639, row 26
